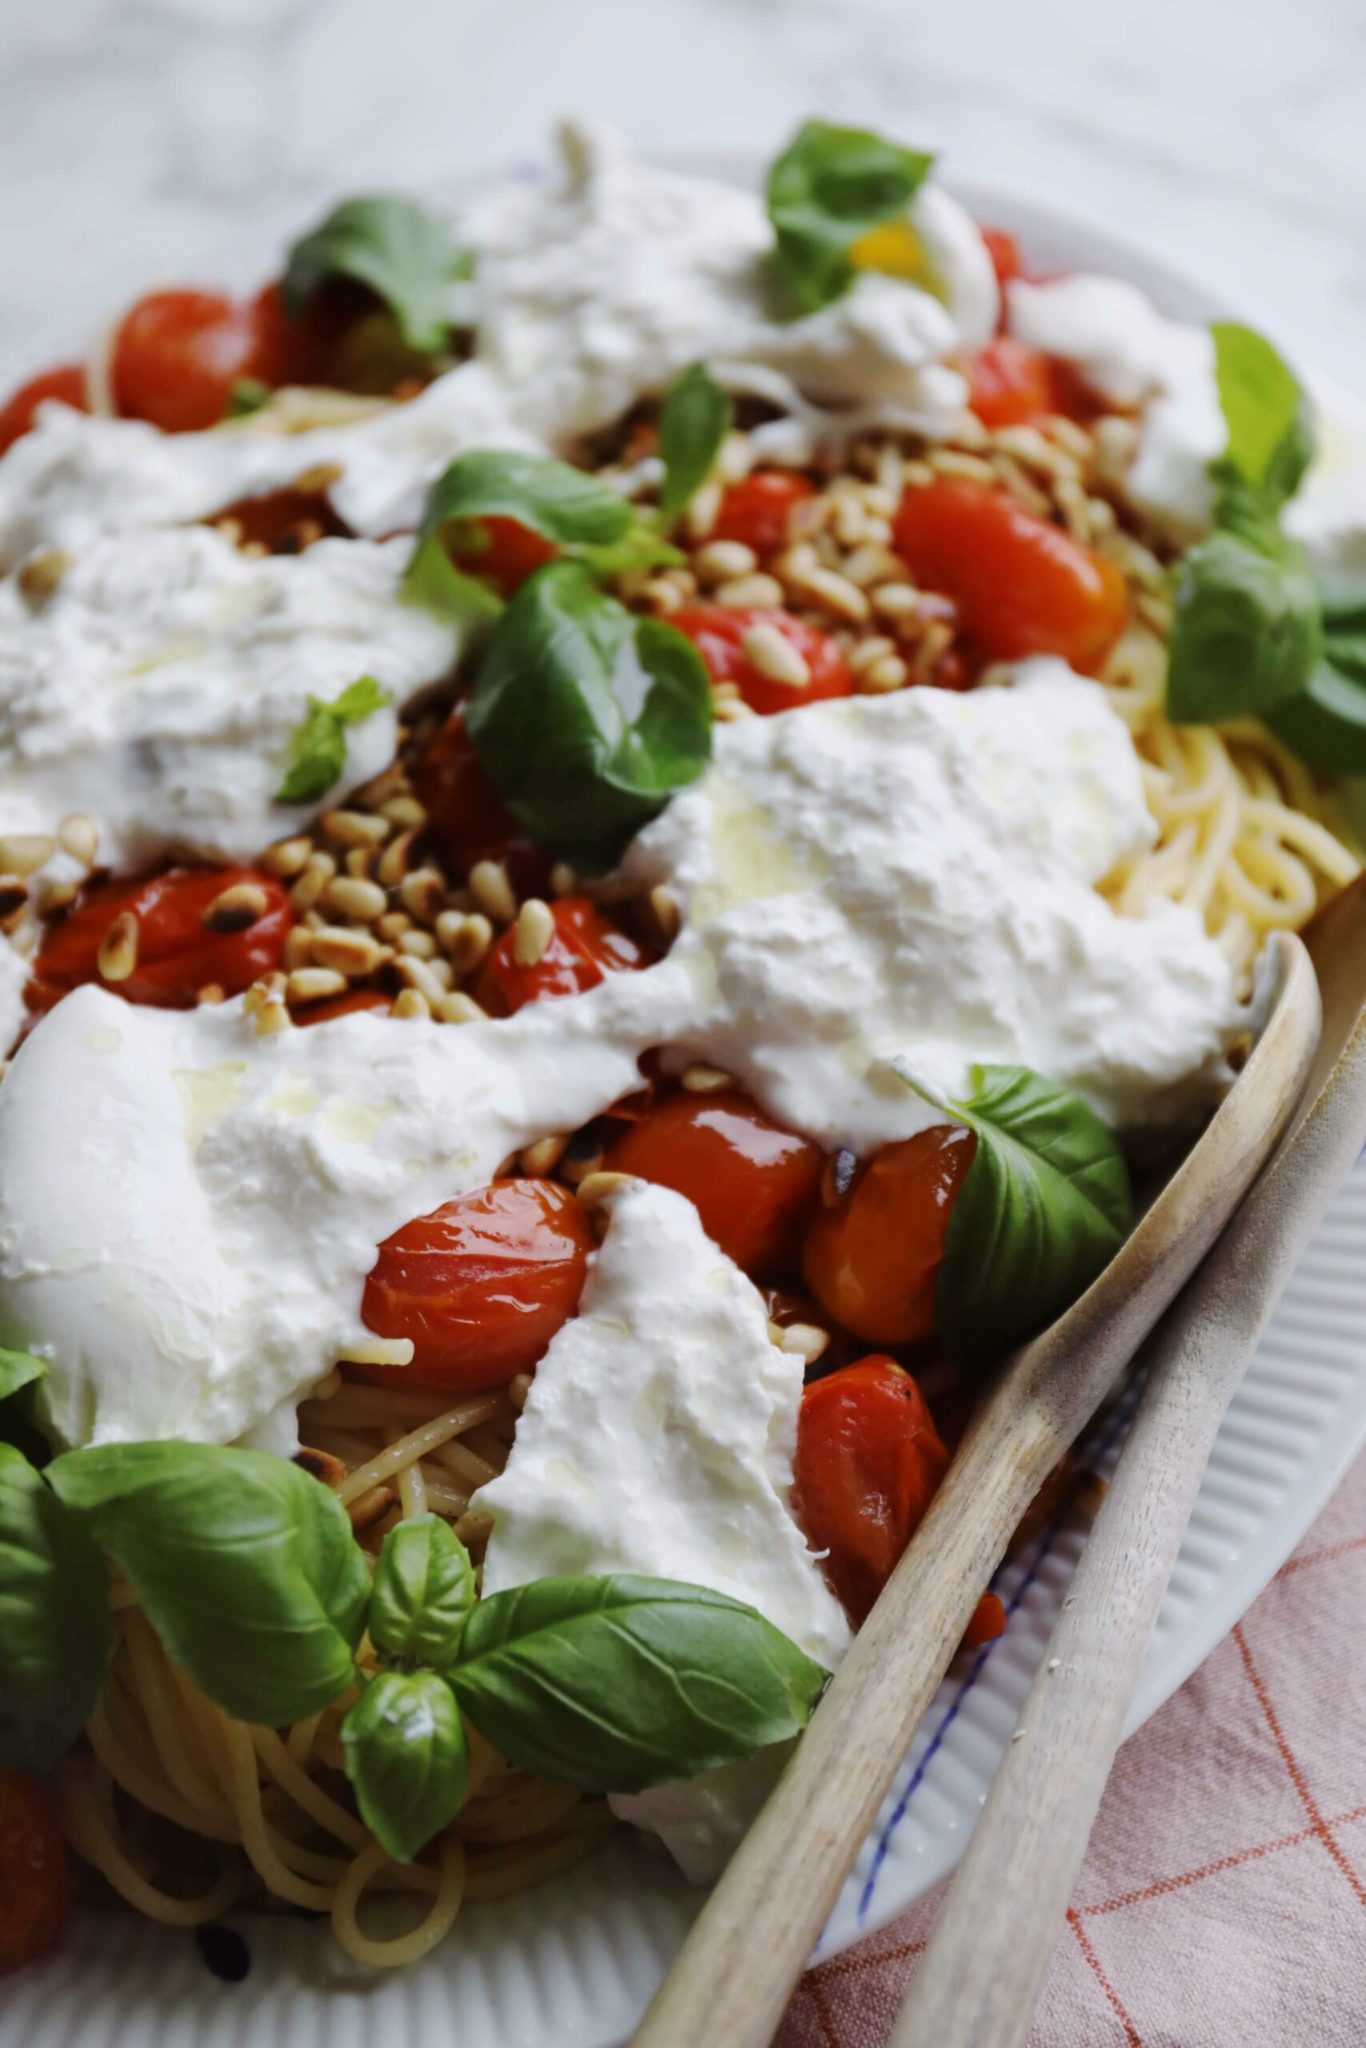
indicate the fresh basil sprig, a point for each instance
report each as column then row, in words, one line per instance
column 407, row 1758
column 615, row 1684
column 319, row 743
column 401, row 251
column 1270, row 422
column 422, row 1595
column 55, row 1627
column 693, row 422
column 1043, row 1207
column 19, row 1369
column 585, row 717
column 1326, row 725
column 829, row 188
column 247, row 1568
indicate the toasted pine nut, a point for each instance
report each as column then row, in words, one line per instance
column 543, row 1157
column 466, row 937
column 719, row 560
column 410, row 1002
column 287, row 857
column 492, row 891
column 419, row 945
column 460, row 1009
column 355, row 828
column 423, row 894
column 760, row 591
column 887, row 674
column 664, row 904
column 77, row 836
column 118, row 949
column 700, row 1079
column 21, row 853
column 533, row 931
column 346, row 951
column 596, row 1187
column 353, row 897
column 393, row 862
column 317, row 872
column 237, row 908
column 41, row 574
column 311, row 984
column 774, row 655
column 405, row 810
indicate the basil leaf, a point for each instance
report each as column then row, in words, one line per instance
column 407, row 1758
column 614, row 1684
column 422, row 1594
column 693, row 422
column 641, row 547
column 19, row 1369
column 829, row 187
column 402, row 252
column 1246, row 632
column 248, row 395
column 1044, row 1206
column 55, row 1627
column 246, row 1567
column 1344, row 623
column 586, row 718
column 319, row 744
column 1326, row 724
column 1270, row 424
column 432, row 581
column 561, row 503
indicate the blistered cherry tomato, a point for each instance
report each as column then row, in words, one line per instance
column 753, row 1184
column 354, row 1000
column 178, row 354
column 1011, row 383
column 721, row 634
column 480, row 1285
column 868, row 1461
column 66, row 382
column 466, row 821
column 1004, row 252
column 988, row 1622
column 1021, row 584
column 178, row 954
column 35, row 1879
column 583, row 947
column 504, row 551
column 872, row 1259
column 282, row 522
column 757, row 510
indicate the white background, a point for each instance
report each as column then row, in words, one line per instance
column 160, row 141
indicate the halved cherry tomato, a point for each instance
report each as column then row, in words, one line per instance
column 1004, row 252
column 35, row 1878
column 584, row 947
column 719, row 632
column 872, row 1259
column 354, row 1000
column 66, row 382
column 466, row 821
column 1011, row 383
column 178, row 354
column 868, row 1461
column 178, row 954
column 504, row 551
column 1021, row 584
column 753, row 1184
column 480, row 1285
column 758, row 508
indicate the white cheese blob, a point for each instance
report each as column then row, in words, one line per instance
column 1328, row 515
column 188, row 1208
column 912, row 878
column 658, row 1437
column 1126, row 350
column 159, row 686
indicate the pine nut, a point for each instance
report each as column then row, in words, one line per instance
column 77, row 836
column 287, row 857
column 700, row 516
column 355, row 828
column 888, row 674
column 835, row 593
column 41, row 574
column 298, row 949
column 774, row 655
column 461, row 1009
column 355, row 898
column 359, row 861
column 118, row 949
column 405, row 811
column 667, row 916
column 423, row 894
column 212, row 993
column 719, row 560
column 543, row 1157
column 321, row 477
column 665, row 596
column 866, row 652
column 760, row 591
column 735, row 458
column 700, row 1079
column 563, row 880
column 311, row 984
column 532, row 933
column 869, row 565
column 237, row 908
column 596, row 1187
column 410, row 1002
column 806, row 1341
column 896, row 600
column 346, row 951
column 418, row 945
column 418, row 974
column 272, row 1016
column 21, row 853
column 393, row 862
column 317, row 873
column 492, row 891
column 392, row 926
column 466, row 937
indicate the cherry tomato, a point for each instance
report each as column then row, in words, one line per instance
column 757, row 510
column 504, row 551
column 480, row 1285
column 282, row 522
column 753, row 1184
column 872, row 1260
column 1012, row 384
column 1004, row 252
column 988, row 1622
column 868, row 1461
column 719, row 634
column 35, row 1879
column 66, row 382
column 466, row 821
column 177, row 952
column 1021, row 584
column 178, row 354
column 354, row 1000
column 584, row 947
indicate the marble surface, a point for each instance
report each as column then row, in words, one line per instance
column 154, row 141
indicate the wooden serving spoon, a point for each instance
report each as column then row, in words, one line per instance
column 982, row 1972
column 732, row 1977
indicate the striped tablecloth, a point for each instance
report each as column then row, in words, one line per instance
column 1222, row 1903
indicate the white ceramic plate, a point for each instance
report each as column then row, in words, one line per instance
column 573, row 1964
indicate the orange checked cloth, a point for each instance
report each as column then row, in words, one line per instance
column 1222, row 1903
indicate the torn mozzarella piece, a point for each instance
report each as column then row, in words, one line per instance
column 658, row 1437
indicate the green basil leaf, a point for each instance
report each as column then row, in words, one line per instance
column 423, row 1592
column 693, row 422
column 55, row 1627
column 561, row 503
column 1326, row 724
column 400, row 250
column 19, row 1369
column 829, row 187
column 1269, row 420
column 407, row 1758
column 642, row 547
column 319, row 743
column 615, row 1684
column 1246, row 633
column 248, row 395
column 586, row 718
column 432, row 581
column 1343, row 600
column 246, row 1567
column 1044, row 1206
